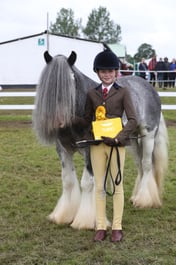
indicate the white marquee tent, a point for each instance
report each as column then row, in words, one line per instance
column 21, row 60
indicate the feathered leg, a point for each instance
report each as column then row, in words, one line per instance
column 136, row 150
column 147, row 194
column 69, row 201
column 85, row 217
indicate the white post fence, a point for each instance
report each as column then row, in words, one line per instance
column 33, row 94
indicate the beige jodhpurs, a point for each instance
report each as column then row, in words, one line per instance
column 99, row 157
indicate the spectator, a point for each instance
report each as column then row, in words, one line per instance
column 143, row 68
column 160, row 68
column 151, row 67
column 166, row 74
column 172, row 73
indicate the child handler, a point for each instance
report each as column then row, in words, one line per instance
column 115, row 100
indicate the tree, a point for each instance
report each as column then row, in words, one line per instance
column 65, row 24
column 144, row 51
column 129, row 59
column 100, row 28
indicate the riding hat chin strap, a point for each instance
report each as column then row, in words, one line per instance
column 118, row 178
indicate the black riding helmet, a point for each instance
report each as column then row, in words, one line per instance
column 106, row 60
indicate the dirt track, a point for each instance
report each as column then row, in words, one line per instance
column 25, row 124
column 15, row 124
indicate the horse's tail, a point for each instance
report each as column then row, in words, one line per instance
column 160, row 155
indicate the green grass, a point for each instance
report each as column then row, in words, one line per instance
column 30, row 185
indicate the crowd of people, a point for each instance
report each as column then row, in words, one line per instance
column 161, row 71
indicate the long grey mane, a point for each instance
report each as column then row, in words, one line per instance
column 61, row 94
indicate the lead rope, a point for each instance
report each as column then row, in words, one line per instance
column 118, row 176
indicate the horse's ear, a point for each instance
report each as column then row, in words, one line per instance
column 48, row 57
column 72, row 58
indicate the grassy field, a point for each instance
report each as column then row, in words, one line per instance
column 30, row 185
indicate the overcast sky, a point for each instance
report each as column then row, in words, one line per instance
column 152, row 21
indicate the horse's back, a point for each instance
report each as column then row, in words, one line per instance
column 145, row 99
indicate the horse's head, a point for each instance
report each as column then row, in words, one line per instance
column 61, row 94
column 55, row 103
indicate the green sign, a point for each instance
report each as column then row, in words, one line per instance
column 41, row 42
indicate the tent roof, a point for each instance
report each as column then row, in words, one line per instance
column 118, row 49
column 46, row 32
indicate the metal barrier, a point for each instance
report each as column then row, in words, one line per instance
column 33, row 94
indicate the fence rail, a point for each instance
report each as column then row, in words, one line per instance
column 33, row 94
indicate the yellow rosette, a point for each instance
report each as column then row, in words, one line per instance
column 100, row 113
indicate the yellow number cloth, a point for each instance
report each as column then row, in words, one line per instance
column 108, row 128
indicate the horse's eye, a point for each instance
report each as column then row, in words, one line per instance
column 72, row 76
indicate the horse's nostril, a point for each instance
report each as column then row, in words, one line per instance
column 61, row 125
